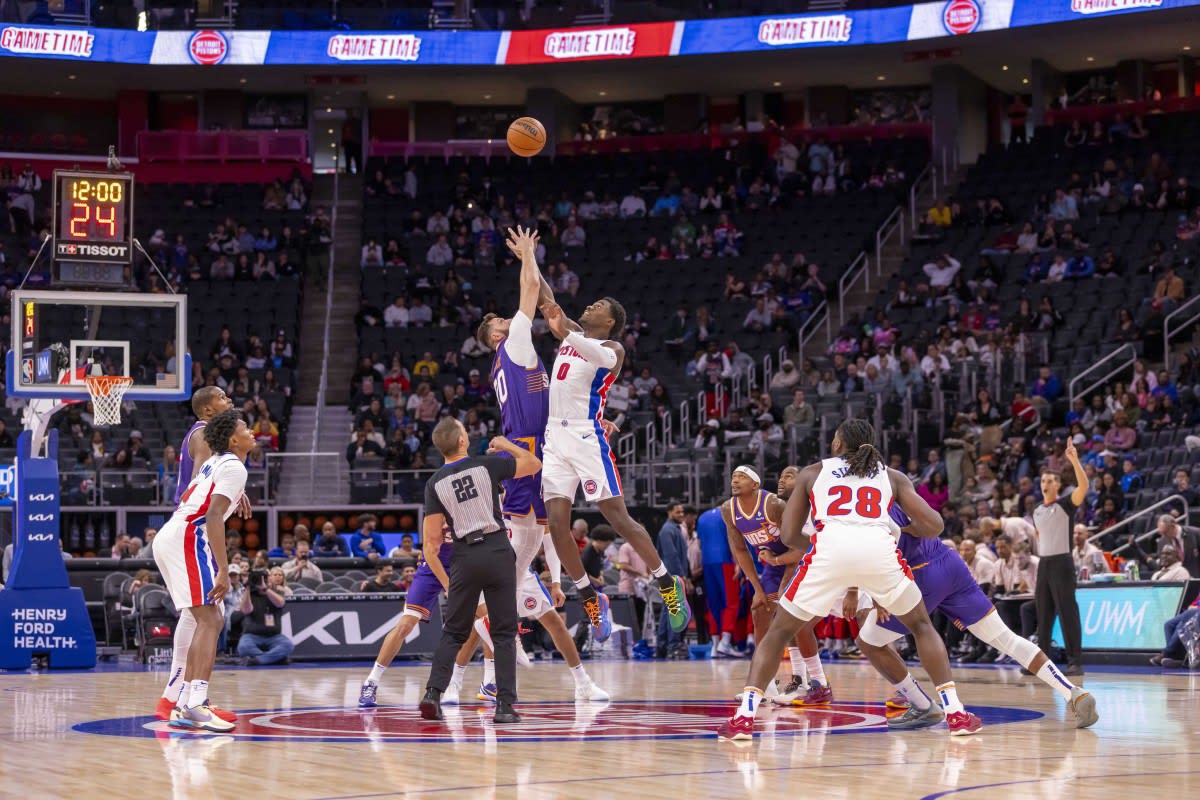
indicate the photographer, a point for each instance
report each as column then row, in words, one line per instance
column 262, row 642
column 301, row 565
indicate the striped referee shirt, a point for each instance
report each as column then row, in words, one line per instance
column 1053, row 524
column 467, row 492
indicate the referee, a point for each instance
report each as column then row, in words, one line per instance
column 1055, row 589
column 465, row 495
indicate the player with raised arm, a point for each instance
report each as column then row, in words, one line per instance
column 947, row 586
column 577, row 453
column 190, row 553
column 848, row 497
column 207, row 402
column 522, row 391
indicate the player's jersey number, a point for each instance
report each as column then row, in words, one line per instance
column 563, row 370
column 500, row 384
column 867, row 503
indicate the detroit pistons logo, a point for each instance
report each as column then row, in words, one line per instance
column 530, row 604
column 962, row 16
column 208, row 47
column 590, row 486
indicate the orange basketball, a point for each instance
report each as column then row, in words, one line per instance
column 408, row 522
column 286, row 523
column 306, row 522
column 319, row 521
column 389, row 522
column 353, row 522
column 526, row 137
column 234, row 524
column 252, row 526
column 339, row 522
column 251, row 541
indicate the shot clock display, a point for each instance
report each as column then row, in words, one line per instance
column 93, row 214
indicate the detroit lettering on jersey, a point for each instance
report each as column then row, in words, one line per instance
column 758, row 531
column 522, row 393
column 580, row 388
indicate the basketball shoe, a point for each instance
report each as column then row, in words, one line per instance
column 1084, row 706
column 789, row 694
column 451, row 695
column 897, row 701
column 912, row 719
column 487, row 692
column 200, row 718
column 963, row 723
column 591, row 693
column 597, row 609
column 483, row 626
column 165, row 707
column 366, row 695
column 675, row 600
column 736, row 729
column 818, row 694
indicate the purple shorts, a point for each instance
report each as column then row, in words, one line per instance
column 423, row 593
column 947, row 586
column 523, row 496
column 771, row 577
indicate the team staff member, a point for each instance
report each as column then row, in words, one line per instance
column 1054, row 592
column 465, row 495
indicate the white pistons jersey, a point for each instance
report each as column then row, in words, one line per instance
column 578, row 388
column 840, row 499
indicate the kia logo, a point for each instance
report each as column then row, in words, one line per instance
column 41, row 518
column 41, row 537
column 40, row 498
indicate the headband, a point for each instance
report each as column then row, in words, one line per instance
column 749, row 473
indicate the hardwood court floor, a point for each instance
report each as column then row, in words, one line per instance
column 301, row 736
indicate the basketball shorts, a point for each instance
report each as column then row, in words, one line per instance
column 523, row 496
column 846, row 556
column 533, row 598
column 577, row 453
column 422, row 593
column 185, row 560
column 946, row 585
column 771, row 577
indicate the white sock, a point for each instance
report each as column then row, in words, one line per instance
column 949, row 696
column 197, row 693
column 460, row 670
column 376, row 673
column 659, row 571
column 812, row 665
column 797, row 661
column 751, row 700
column 489, row 671
column 179, row 653
column 727, row 638
column 913, row 693
column 580, row 675
column 582, row 583
column 1050, row 675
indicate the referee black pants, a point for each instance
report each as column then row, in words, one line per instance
column 489, row 567
column 1055, row 596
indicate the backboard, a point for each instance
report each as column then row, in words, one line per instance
column 59, row 337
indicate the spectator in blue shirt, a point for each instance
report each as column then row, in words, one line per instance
column 1047, row 387
column 1131, row 479
column 667, row 204
column 1077, row 412
column 672, row 548
column 329, row 544
column 1080, row 266
column 366, row 543
column 1166, row 387
column 286, row 549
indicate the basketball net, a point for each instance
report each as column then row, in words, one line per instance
column 107, row 392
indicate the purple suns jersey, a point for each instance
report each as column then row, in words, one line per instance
column 445, row 552
column 185, row 461
column 916, row 550
column 758, row 531
column 523, row 392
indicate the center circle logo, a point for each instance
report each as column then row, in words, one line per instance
column 208, row 47
column 541, row 721
column 962, row 16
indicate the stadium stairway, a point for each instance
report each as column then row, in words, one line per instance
column 296, row 487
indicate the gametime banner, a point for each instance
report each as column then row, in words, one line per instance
column 643, row 40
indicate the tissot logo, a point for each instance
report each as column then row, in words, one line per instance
column 41, row 518
column 114, row 250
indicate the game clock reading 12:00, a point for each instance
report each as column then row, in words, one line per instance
column 93, row 215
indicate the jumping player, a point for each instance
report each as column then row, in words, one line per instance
column 207, row 402
column 946, row 585
column 848, row 497
column 577, row 452
column 190, row 553
column 522, row 391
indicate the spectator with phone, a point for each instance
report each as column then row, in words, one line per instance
column 301, row 566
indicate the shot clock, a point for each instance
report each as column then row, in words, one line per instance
column 93, row 227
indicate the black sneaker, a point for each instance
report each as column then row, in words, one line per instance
column 431, row 704
column 1072, row 669
column 505, row 713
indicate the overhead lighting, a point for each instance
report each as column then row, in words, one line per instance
column 487, row 97
column 1187, row 47
column 330, row 130
column 243, row 80
column 391, row 97
column 881, row 77
column 333, row 145
column 57, row 93
column 603, row 93
column 1024, row 80
column 1091, row 58
column 328, row 110
column 777, row 84
column 70, row 77
column 1005, row 68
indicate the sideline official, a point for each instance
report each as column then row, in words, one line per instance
column 465, row 495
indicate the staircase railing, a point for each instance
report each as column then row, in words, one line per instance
column 1169, row 331
column 1104, row 363
column 914, row 190
column 860, row 267
column 1148, row 510
column 323, row 381
column 812, row 325
column 891, row 226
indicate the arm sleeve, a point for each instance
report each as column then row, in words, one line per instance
column 519, row 344
column 433, row 505
column 501, row 469
column 593, row 350
column 553, row 562
column 230, row 480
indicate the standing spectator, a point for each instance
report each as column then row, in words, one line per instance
column 1055, row 590
column 634, row 577
column 366, row 543
column 672, row 548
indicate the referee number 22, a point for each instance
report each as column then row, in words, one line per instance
column 464, row 489
column 868, row 502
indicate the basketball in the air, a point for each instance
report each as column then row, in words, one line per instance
column 526, row 137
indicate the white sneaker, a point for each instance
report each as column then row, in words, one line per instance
column 729, row 651
column 591, row 693
column 770, row 694
column 793, row 691
column 450, row 696
column 523, row 659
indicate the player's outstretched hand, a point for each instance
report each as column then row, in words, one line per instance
column 522, row 241
column 555, row 319
column 1071, row 453
column 220, row 586
column 609, row 427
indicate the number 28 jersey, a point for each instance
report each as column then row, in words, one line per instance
column 839, row 499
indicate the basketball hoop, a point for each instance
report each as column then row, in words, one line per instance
column 107, row 392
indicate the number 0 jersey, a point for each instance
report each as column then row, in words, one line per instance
column 840, row 499
column 578, row 388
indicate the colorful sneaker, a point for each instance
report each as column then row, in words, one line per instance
column 487, row 692
column 675, row 599
column 1084, row 706
column 200, row 718
column 912, row 719
column 598, row 615
column 818, row 694
column 963, row 723
column 590, row 693
column 451, row 695
column 789, row 694
column 897, row 701
column 736, row 729
column 164, row 708
column 366, row 695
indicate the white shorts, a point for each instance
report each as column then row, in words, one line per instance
column 842, row 557
column 186, row 562
column 533, row 598
column 577, row 453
